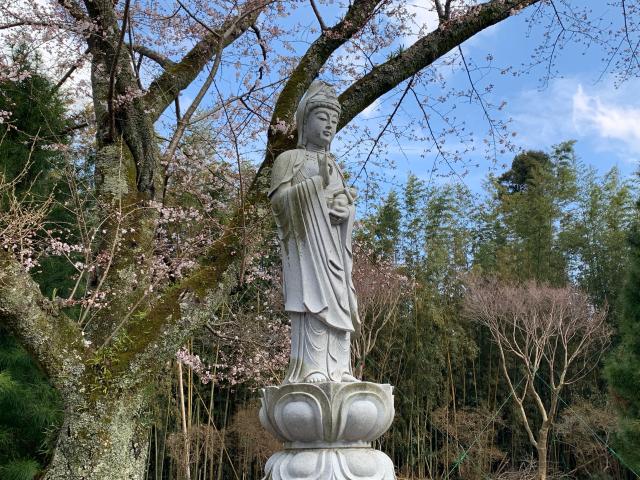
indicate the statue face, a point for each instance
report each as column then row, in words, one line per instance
column 320, row 127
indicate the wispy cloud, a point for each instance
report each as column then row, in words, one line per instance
column 425, row 20
column 372, row 110
column 602, row 118
column 612, row 120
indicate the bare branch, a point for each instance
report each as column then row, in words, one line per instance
column 440, row 10
column 198, row 21
column 114, row 67
column 164, row 89
column 69, row 72
column 447, row 9
column 323, row 26
column 633, row 49
column 163, row 61
column 479, row 97
column 384, row 129
column 183, row 122
column 424, row 52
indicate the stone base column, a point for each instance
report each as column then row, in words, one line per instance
column 327, row 430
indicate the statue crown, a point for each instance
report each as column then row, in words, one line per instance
column 319, row 94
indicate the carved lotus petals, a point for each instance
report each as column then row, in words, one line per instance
column 364, row 414
column 299, row 417
column 330, row 464
column 327, row 414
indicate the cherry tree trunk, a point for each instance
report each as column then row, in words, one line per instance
column 105, row 439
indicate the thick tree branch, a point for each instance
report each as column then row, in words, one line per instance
column 164, row 62
column 440, row 10
column 164, row 89
column 74, row 9
column 51, row 337
column 424, row 52
column 323, row 26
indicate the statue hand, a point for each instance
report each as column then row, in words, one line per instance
column 338, row 215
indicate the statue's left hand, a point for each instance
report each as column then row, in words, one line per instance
column 338, row 214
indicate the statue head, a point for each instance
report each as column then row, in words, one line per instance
column 317, row 115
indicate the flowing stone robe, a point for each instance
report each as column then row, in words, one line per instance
column 316, row 262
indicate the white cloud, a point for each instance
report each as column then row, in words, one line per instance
column 607, row 119
column 425, row 20
column 542, row 117
column 372, row 110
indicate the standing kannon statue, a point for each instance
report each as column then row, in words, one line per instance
column 314, row 213
column 325, row 418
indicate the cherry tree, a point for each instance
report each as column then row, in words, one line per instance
column 145, row 291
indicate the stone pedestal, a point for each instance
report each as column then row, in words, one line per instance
column 327, row 430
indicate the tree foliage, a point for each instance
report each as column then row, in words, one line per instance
column 623, row 367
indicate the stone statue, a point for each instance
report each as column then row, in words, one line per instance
column 325, row 418
column 314, row 214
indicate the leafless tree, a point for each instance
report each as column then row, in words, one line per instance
column 381, row 289
column 547, row 338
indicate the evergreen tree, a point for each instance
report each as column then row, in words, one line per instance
column 623, row 367
column 386, row 228
column 525, row 167
column 594, row 238
column 530, row 202
column 412, row 240
column 36, row 122
column 29, row 412
column 29, row 407
column 30, row 140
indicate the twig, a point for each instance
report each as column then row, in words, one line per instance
column 632, row 49
column 375, row 143
column 435, row 141
column 323, row 26
column 198, row 21
column 484, row 107
column 66, row 76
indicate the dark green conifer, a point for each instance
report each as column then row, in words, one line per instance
column 623, row 367
column 30, row 410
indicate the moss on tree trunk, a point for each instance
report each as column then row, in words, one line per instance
column 104, row 440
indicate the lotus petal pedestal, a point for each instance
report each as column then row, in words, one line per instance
column 327, row 430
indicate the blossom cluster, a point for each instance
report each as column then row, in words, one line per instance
column 195, row 363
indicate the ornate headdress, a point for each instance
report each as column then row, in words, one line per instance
column 320, row 94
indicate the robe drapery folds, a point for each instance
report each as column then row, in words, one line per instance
column 317, row 256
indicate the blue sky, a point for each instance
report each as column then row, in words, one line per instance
column 579, row 102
